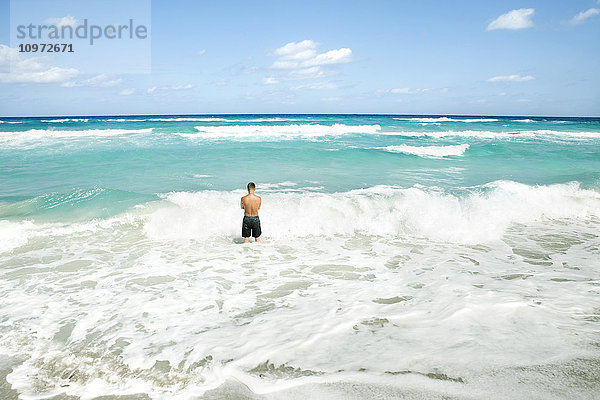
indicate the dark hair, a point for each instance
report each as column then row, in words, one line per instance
column 251, row 185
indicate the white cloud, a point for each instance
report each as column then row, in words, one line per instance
column 417, row 90
column 127, row 92
column 303, row 54
column 584, row 15
column 338, row 56
column 102, row 80
column 300, row 60
column 515, row 19
column 297, row 51
column 511, row 78
column 64, row 21
column 157, row 89
column 201, row 52
column 270, row 80
column 14, row 69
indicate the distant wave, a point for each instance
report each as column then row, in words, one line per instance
column 575, row 134
column 174, row 119
column 495, row 135
column 187, row 119
column 446, row 119
column 123, row 120
column 194, row 119
column 428, row 151
column 249, row 131
column 11, row 122
column 204, row 119
column 65, row 120
column 34, row 134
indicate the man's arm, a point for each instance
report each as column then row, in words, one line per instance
column 259, row 202
column 242, row 203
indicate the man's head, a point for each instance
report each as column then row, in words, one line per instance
column 251, row 187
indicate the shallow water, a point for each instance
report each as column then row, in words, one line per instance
column 384, row 271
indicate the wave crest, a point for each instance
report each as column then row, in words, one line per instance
column 478, row 215
column 279, row 131
column 428, row 151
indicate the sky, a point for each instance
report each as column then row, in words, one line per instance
column 478, row 57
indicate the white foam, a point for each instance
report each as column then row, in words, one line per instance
column 467, row 133
column 187, row 119
column 428, row 151
column 447, row 119
column 124, row 120
column 370, row 285
column 573, row 134
column 14, row 234
column 205, row 119
column 35, row 134
column 215, row 119
column 274, row 119
column 478, row 120
column 278, row 131
column 496, row 135
column 481, row 216
column 66, row 120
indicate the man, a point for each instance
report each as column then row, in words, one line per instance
column 251, row 205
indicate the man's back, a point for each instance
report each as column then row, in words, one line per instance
column 251, row 204
column 251, row 223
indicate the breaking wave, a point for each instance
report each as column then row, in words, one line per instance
column 428, row 151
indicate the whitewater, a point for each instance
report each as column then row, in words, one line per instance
column 403, row 256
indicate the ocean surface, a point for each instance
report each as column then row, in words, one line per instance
column 410, row 257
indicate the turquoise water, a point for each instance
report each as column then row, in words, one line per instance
column 149, row 155
column 451, row 255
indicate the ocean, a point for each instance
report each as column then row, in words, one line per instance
column 410, row 257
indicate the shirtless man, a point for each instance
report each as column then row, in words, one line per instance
column 251, row 224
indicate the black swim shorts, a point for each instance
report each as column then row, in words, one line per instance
column 251, row 226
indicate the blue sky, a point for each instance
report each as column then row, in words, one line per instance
column 403, row 57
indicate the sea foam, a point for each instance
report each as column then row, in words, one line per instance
column 446, row 119
column 428, row 151
column 36, row 134
column 278, row 131
column 479, row 215
column 65, row 120
column 481, row 134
